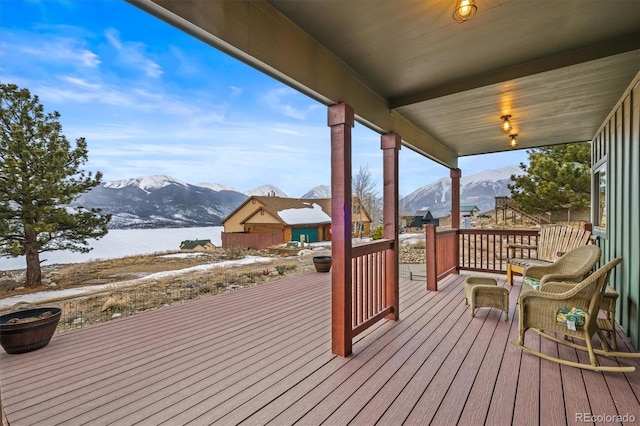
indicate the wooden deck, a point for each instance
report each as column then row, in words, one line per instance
column 262, row 355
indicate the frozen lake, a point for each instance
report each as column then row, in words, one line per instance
column 124, row 242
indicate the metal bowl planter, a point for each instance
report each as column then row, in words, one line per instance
column 322, row 263
column 28, row 330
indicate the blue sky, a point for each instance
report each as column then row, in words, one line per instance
column 150, row 99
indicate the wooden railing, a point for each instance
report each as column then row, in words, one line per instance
column 485, row 250
column 482, row 250
column 370, row 281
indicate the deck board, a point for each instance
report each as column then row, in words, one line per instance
column 263, row 355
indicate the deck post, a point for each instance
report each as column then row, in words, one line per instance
column 455, row 197
column 390, row 144
column 341, row 120
column 430, row 249
column 3, row 417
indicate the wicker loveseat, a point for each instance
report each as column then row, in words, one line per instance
column 553, row 242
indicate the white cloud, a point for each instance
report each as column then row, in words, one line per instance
column 88, row 58
column 80, row 82
column 282, row 100
column 133, row 53
column 235, row 92
column 59, row 51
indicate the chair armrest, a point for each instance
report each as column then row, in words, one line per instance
column 571, row 278
column 553, row 293
column 511, row 249
column 556, row 287
column 522, row 246
column 539, row 271
column 556, row 290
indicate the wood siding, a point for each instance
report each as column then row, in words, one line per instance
column 233, row 223
column 618, row 143
column 254, row 241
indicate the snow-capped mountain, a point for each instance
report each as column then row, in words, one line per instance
column 160, row 201
column 217, row 186
column 146, row 183
column 267, row 190
column 479, row 190
column 320, row 191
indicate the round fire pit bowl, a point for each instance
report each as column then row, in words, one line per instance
column 322, row 263
column 28, row 330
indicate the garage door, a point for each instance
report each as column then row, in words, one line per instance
column 310, row 234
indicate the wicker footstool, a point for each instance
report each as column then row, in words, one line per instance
column 482, row 292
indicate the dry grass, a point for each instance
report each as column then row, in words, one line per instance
column 153, row 294
column 128, row 292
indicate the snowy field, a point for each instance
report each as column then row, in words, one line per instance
column 125, row 242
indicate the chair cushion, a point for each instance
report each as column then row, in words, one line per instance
column 576, row 315
column 533, row 282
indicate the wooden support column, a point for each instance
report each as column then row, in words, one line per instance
column 455, row 198
column 455, row 211
column 430, row 249
column 390, row 145
column 341, row 120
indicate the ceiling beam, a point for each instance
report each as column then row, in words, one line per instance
column 256, row 33
column 577, row 56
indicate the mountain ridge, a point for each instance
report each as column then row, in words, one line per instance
column 158, row 201
column 479, row 189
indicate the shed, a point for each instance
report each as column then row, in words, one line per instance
column 197, row 245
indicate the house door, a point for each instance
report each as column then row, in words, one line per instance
column 310, row 234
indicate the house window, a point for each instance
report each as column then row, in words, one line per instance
column 600, row 202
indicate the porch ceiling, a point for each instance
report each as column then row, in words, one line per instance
column 558, row 67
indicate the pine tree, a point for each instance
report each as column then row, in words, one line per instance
column 39, row 176
column 558, row 177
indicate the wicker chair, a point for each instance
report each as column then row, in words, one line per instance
column 573, row 266
column 538, row 311
column 553, row 242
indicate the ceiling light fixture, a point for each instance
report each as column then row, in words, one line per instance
column 465, row 9
column 513, row 140
column 506, row 125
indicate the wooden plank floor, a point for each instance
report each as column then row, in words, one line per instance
column 262, row 356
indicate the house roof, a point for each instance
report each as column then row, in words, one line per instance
column 468, row 208
column 425, row 213
column 293, row 211
column 326, row 206
column 191, row 244
column 557, row 67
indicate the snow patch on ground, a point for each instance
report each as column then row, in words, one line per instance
column 49, row 296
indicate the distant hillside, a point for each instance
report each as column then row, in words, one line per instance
column 479, row 190
column 160, row 201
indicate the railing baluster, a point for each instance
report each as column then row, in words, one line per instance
column 482, row 249
column 369, row 284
